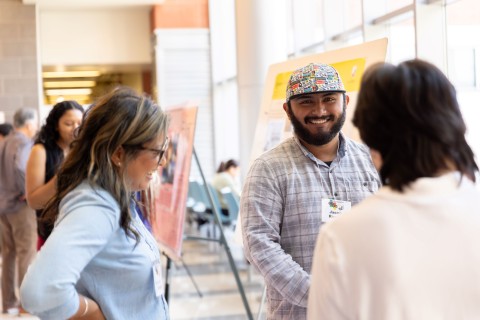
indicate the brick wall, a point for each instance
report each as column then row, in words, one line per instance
column 18, row 57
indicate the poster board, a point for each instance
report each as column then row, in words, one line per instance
column 273, row 125
column 170, row 192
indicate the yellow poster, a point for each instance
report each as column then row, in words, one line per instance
column 279, row 90
column 350, row 71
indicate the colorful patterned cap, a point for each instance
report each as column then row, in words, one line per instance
column 315, row 77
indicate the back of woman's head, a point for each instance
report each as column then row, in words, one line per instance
column 48, row 134
column 120, row 119
column 410, row 114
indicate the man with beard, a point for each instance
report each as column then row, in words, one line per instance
column 300, row 184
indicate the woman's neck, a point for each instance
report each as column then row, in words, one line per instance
column 64, row 146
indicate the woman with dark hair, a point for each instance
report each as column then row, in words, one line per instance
column 412, row 250
column 52, row 144
column 227, row 177
column 100, row 261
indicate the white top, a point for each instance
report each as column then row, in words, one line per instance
column 412, row 255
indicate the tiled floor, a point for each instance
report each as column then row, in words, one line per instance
column 211, row 271
column 208, row 263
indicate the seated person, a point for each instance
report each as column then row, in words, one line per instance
column 227, row 177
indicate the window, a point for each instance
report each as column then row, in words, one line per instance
column 463, row 43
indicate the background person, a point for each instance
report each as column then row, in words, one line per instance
column 295, row 187
column 5, row 130
column 227, row 177
column 411, row 251
column 100, row 261
column 17, row 221
column 52, row 144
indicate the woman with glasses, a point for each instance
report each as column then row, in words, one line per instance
column 100, row 262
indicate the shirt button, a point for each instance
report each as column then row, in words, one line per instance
column 335, row 194
column 364, row 184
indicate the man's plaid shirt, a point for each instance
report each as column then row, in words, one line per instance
column 281, row 208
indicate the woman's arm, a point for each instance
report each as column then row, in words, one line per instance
column 37, row 191
column 88, row 220
column 88, row 310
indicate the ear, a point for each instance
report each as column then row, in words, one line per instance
column 347, row 100
column 285, row 108
column 118, row 156
column 376, row 158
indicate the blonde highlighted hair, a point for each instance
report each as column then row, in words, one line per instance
column 120, row 119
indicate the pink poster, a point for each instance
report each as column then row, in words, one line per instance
column 170, row 194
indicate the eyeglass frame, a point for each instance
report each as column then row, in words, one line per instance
column 161, row 152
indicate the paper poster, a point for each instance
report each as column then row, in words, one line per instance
column 170, row 194
column 275, row 128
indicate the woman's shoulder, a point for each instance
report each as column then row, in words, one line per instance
column 38, row 149
column 86, row 194
column 37, row 158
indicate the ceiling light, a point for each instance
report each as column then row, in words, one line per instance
column 68, row 92
column 71, row 74
column 69, row 84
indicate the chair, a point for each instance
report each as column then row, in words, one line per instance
column 198, row 205
column 226, row 220
column 232, row 203
column 198, row 195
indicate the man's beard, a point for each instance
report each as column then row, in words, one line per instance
column 319, row 138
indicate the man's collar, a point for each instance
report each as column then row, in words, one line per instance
column 342, row 147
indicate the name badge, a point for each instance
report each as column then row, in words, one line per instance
column 157, row 278
column 332, row 208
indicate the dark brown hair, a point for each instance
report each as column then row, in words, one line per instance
column 410, row 114
column 224, row 166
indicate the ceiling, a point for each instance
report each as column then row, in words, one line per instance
column 83, row 87
column 58, row 85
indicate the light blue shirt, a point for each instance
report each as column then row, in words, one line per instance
column 89, row 253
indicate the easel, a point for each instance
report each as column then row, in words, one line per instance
column 222, row 240
column 167, row 279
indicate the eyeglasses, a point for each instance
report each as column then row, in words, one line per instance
column 160, row 152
